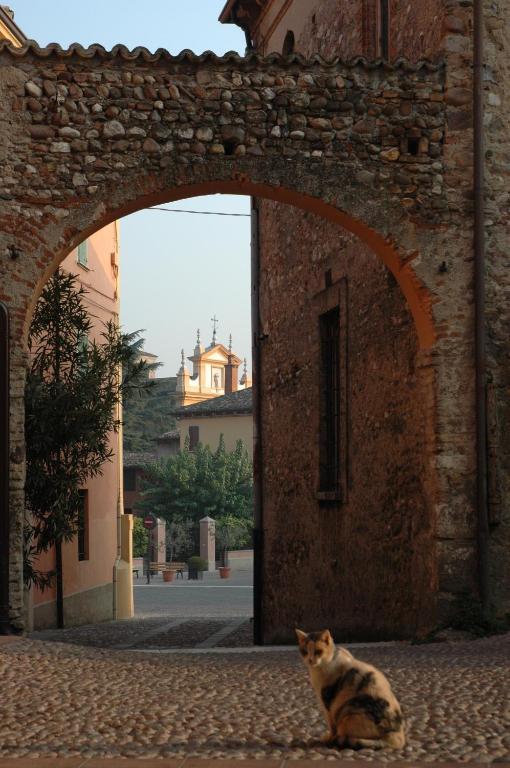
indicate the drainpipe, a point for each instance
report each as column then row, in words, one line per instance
column 258, row 515
column 119, row 501
column 5, row 625
column 480, row 336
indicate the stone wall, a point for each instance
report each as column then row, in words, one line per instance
column 497, row 148
column 365, row 566
column 382, row 535
column 439, row 30
column 88, row 136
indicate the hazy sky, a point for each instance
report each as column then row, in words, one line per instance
column 178, row 270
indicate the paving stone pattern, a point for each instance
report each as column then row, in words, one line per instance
column 153, row 633
column 62, row 700
column 186, row 635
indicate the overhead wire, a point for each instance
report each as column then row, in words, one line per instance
column 201, row 213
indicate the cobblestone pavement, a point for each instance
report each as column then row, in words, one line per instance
column 180, row 614
column 180, row 632
column 66, row 700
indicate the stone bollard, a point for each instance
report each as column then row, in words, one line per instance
column 208, row 542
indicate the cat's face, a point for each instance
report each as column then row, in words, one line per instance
column 316, row 648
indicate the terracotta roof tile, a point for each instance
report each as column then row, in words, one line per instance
column 132, row 459
column 188, row 57
column 235, row 403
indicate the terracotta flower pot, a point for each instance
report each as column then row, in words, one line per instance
column 168, row 575
column 224, row 571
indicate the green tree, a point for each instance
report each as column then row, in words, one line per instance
column 232, row 481
column 140, row 538
column 72, row 392
column 134, row 373
column 178, row 539
column 231, row 533
column 195, row 483
column 148, row 415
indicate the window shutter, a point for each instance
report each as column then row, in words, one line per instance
column 82, row 255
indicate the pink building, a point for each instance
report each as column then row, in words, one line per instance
column 88, row 561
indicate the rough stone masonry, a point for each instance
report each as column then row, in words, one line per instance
column 87, row 136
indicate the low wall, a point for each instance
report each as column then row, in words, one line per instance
column 241, row 560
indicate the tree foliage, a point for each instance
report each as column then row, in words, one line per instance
column 179, row 539
column 192, row 484
column 72, row 391
column 148, row 414
column 140, row 538
column 232, row 533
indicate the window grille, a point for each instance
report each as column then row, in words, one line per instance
column 329, row 449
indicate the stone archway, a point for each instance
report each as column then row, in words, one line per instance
column 89, row 136
column 384, row 247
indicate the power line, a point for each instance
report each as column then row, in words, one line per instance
column 201, row 213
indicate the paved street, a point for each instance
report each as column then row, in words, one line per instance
column 66, row 700
column 213, row 597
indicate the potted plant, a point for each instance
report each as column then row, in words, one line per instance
column 224, row 571
column 168, row 575
column 196, row 567
column 231, row 532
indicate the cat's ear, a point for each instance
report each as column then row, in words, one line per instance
column 301, row 636
column 325, row 636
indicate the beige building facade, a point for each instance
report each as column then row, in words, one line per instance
column 212, row 400
column 230, row 416
column 214, row 373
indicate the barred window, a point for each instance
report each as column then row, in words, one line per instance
column 329, row 447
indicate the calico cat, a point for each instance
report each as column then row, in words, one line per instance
column 360, row 708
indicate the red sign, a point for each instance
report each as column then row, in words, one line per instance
column 149, row 522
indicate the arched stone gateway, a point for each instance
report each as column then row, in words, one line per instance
column 87, row 136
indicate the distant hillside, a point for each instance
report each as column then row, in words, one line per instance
column 148, row 414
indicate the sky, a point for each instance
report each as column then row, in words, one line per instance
column 177, row 270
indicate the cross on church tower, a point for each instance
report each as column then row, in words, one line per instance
column 214, row 321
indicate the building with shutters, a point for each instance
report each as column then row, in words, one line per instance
column 88, row 560
column 230, row 415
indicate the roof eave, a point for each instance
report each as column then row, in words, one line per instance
column 244, row 13
column 12, row 26
column 225, row 16
column 209, row 414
